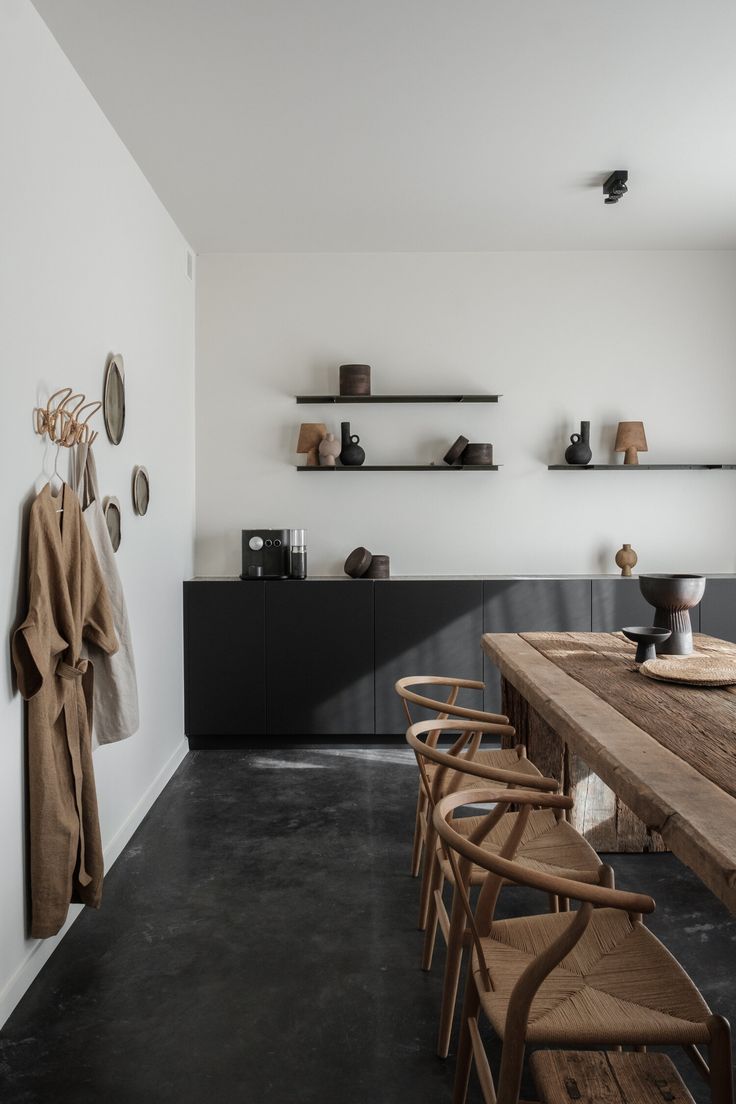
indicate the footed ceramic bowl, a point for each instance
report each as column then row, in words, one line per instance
column 673, row 596
column 646, row 638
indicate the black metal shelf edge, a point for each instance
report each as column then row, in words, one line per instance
column 404, row 467
column 366, row 399
column 641, row 467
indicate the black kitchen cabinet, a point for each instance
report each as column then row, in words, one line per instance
column 531, row 605
column 430, row 627
column 224, row 660
column 319, row 657
column 718, row 609
column 619, row 602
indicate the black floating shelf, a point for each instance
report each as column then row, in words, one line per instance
column 366, row 399
column 404, row 467
column 641, row 467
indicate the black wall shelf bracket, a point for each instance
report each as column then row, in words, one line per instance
column 403, row 467
column 368, row 399
column 641, row 467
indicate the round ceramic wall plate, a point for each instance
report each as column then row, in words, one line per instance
column 695, row 670
column 113, row 520
column 141, row 490
column 113, row 399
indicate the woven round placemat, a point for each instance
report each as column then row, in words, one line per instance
column 696, row 670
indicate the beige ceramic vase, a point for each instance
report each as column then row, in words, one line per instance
column 626, row 558
column 329, row 450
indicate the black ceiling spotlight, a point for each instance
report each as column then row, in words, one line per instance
column 615, row 186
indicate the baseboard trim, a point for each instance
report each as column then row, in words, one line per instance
column 42, row 949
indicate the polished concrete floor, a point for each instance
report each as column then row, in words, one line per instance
column 257, row 944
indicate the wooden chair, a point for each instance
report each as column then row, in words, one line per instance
column 442, row 709
column 596, row 977
column 548, row 843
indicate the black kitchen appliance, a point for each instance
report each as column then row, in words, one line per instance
column 265, row 554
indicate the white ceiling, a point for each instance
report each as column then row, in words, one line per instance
column 421, row 124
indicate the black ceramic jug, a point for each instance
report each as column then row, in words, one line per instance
column 578, row 452
column 351, row 455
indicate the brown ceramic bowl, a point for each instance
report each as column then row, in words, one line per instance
column 477, row 453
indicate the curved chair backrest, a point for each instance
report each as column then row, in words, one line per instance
column 501, row 867
column 459, row 758
column 447, row 708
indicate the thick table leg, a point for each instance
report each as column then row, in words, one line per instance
column 604, row 820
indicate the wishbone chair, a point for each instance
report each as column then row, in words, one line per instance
column 596, row 977
column 442, row 709
column 548, row 842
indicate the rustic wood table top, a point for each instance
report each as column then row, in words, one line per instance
column 667, row 750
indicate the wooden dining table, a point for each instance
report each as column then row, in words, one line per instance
column 651, row 765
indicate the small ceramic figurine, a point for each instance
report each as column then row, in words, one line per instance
column 626, row 558
column 329, row 450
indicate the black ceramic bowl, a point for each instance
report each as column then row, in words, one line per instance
column 673, row 596
column 646, row 638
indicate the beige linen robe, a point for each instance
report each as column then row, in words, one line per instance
column 116, row 689
column 67, row 604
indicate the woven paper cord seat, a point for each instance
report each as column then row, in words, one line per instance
column 619, row 984
column 501, row 759
column 548, row 843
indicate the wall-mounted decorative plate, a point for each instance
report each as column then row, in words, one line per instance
column 141, row 490
column 113, row 520
column 113, row 399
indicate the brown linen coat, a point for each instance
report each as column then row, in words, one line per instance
column 67, row 604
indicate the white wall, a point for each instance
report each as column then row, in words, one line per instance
column 90, row 263
column 563, row 336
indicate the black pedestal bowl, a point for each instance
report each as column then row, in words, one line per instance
column 673, row 596
column 646, row 637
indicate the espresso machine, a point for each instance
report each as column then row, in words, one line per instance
column 274, row 554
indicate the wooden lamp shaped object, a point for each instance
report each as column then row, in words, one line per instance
column 310, row 438
column 631, row 440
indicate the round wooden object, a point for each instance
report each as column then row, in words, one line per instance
column 455, row 451
column 477, row 453
column 355, row 379
column 695, row 670
column 380, row 568
column 357, row 562
column 626, row 558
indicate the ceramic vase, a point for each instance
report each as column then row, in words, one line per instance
column 626, row 558
column 578, row 451
column 351, row 454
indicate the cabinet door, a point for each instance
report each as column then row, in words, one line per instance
column 531, row 605
column 425, row 628
column 224, row 659
column 619, row 602
column 718, row 609
column 319, row 648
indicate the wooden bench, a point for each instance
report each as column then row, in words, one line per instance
column 607, row 1077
